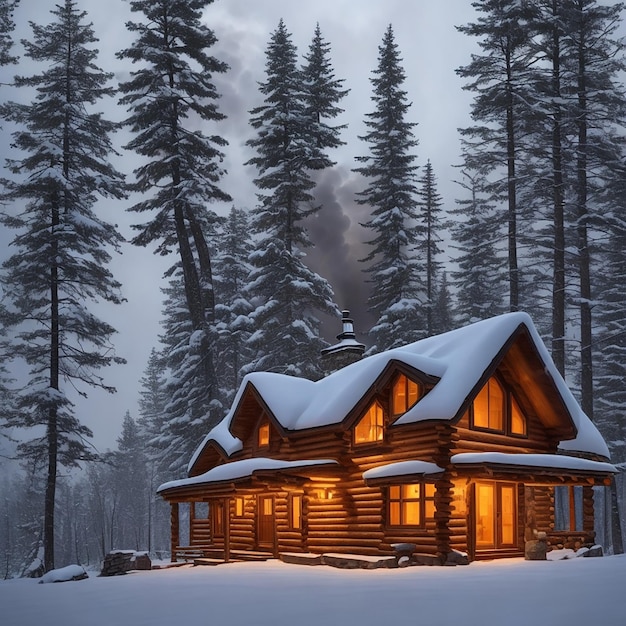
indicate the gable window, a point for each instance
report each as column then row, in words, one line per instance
column 370, row 427
column 489, row 406
column 497, row 409
column 518, row 420
column 411, row 505
column 405, row 393
column 263, row 438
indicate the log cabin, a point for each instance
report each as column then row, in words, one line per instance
column 468, row 442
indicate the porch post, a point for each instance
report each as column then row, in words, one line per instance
column 443, row 501
column 174, row 530
column 226, row 513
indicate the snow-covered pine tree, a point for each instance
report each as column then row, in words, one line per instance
column 480, row 280
column 188, row 400
column 166, row 96
column 288, row 297
column 7, row 26
column 396, row 274
column 323, row 92
column 594, row 59
column 62, row 247
column 232, row 309
column 153, row 398
column 443, row 307
column 497, row 78
column 429, row 216
column 130, row 475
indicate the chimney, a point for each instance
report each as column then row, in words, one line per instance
column 347, row 351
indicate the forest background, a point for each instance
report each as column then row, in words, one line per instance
column 430, row 51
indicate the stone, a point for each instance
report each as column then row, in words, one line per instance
column 536, row 550
column 117, row 562
column 594, row 551
column 455, row 557
column 141, row 561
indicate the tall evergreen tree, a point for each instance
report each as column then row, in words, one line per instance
column 429, row 216
column 498, row 77
column 233, row 308
column 288, row 297
column 480, row 280
column 397, row 292
column 595, row 58
column 62, row 246
column 7, row 26
column 182, row 170
column 323, row 92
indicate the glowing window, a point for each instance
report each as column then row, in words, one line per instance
column 405, row 394
column 264, row 434
column 295, row 512
column 370, row 427
column 410, row 505
column 518, row 420
column 488, row 407
column 239, row 506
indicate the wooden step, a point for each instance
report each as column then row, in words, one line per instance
column 206, row 561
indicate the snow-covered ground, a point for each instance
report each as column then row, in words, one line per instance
column 578, row 592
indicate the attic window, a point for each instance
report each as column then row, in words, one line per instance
column 404, row 395
column 496, row 409
column 263, row 439
column 370, row 427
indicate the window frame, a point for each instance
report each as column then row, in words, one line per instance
column 263, row 425
column 379, row 428
column 508, row 399
column 392, row 400
column 423, row 500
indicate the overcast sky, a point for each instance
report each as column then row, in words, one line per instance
column 431, row 49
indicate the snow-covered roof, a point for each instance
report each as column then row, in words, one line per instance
column 402, row 468
column 457, row 358
column 245, row 469
column 555, row 461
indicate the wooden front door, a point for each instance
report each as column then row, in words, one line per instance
column 216, row 509
column 265, row 522
column 495, row 517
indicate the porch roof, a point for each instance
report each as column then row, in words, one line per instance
column 555, row 462
column 404, row 469
column 247, row 468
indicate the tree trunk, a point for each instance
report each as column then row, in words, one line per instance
column 558, row 282
column 584, row 257
column 512, row 191
column 52, row 426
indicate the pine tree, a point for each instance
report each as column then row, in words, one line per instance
column 443, row 319
column 233, row 308
column 60, row 263
column 498, row 78
column 596, row 59
column 182, row 170
column 323, row 92
column 480, row 280
column 287, row 295
column 131, row 481
column 430, row 203
column 397, row 292
column 153, row 398
column 7, row 26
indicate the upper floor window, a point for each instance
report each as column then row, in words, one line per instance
column 496, row 409
column 405, row 393
column 370, row 427
column 263, row 436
